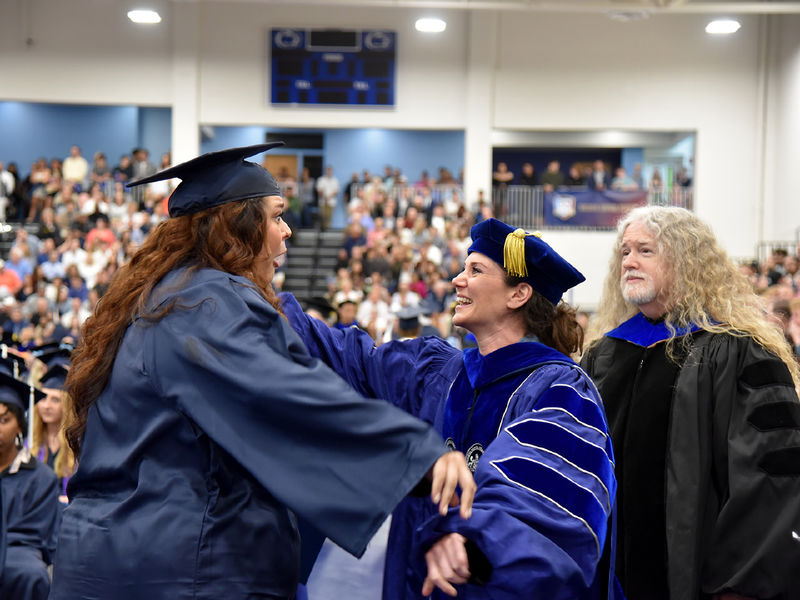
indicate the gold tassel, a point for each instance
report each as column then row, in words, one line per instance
column 514, row 252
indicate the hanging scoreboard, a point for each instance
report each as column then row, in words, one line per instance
column 333, row 66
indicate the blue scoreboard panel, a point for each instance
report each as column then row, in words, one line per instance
column 333, row 66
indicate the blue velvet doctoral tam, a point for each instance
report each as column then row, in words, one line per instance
column 533, row 429
column 215, row 428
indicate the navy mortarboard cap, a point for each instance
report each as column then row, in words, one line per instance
column 216, row 178
column 320, row 304
column 53, row 353
column 16, row 392
column 12, row 364
column 408, row 317
column 55, row 377
column 527, row 256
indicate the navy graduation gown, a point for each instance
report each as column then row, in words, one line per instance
column 533, row 428
column 30, row 514
column 216, row 424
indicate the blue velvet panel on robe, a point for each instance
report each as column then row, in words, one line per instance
column 214, row 429
column 543, row 539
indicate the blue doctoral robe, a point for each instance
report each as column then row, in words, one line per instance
column 533, row 429
column 30, row 516
column 214, row 428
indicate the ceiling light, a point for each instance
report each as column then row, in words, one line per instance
column 723, row 26
column 144, row 16
column 430, row 25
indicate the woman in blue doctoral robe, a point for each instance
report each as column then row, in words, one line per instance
column 202, row 425
column 528, row 418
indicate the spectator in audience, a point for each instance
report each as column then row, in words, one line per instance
column 682, row 178
column 75, row 169
column 123, row 171
column 100, row 232
column 794, row 326
column 30, row 500
column 10, row 282
column 656, row 184
column 101, row 172
column 346, row 311
column 19, row 263
column 7, row 185
column 355, row 237
column 328, row 196
column 622, row 182
column 404, row 296
column 141, row 166
column 637, row 176
column 502, row 177
column 552, row 178
column 53, row 267
column 307, row 191
column 600, row 179
column 574, row 177
column 528, row 176
column 373, row 313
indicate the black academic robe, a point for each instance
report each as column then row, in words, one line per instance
column 731, row 486
column 215, row 427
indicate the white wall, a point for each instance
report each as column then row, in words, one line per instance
column 664, row 73
column 82, row 52
column 782, row 206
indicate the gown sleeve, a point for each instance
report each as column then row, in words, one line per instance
column 546, row 488
column 231, row 364
column 405, row 373
column 754, row 549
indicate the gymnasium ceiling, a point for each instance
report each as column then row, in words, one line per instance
column 633, row 7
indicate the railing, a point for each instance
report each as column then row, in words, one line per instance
column 524, row 206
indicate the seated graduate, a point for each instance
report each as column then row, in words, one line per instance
column 29, row 495
column 202, row 427
column 528, row 418
column 49, row 441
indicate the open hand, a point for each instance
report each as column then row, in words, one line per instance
column 449, row 471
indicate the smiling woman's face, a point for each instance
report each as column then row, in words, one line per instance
column 483, row 295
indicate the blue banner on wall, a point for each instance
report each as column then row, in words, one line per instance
column 582, row 207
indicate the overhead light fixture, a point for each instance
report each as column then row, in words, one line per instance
column 144, row 16
column 723, row 26
column 430, row 25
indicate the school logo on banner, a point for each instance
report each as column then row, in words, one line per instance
column 564, row 206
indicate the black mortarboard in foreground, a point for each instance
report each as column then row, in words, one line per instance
column 16, row 392
column 216, row 178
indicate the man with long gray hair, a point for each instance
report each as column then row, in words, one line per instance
column 700, row 392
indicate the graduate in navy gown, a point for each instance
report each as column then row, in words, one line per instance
column 29, row 493
column 203, row 427
column 529, row 420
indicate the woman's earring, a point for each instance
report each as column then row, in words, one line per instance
column 19, row 441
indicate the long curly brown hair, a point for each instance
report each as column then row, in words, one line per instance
column 229, row 237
